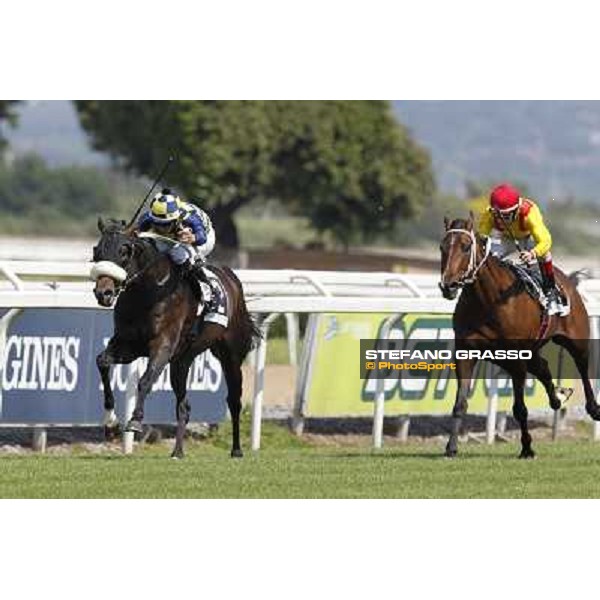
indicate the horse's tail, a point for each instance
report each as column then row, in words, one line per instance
column 577, row 276
column 249, row 331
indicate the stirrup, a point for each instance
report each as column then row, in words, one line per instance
column 563, row 308
column 552, row 307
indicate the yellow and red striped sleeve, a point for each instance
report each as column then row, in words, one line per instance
column 534, row 222
column 486, row 222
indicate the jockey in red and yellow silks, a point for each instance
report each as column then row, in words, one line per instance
column 512, row 217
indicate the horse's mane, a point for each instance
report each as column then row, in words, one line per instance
column 119, row 226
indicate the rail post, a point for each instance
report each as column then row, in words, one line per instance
column 259, row 382
column 379, row 407
column 303, row 373
column 292, row 337
column 492, row 409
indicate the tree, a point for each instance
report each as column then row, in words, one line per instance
column 348, row 166
column 29, row 189
column 7, row 114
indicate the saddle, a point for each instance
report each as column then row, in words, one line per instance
column 531, row 278
column 216, row 310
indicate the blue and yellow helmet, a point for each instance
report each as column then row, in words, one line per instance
column 164, row 208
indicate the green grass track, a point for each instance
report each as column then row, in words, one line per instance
column 562, row 470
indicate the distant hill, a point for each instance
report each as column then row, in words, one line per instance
column 552, row 146
column 51, row 128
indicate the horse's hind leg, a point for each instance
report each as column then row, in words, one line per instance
column 464, row 372
column 232, row 370
column 179, row 372
column 579, row 350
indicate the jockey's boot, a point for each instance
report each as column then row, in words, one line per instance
column 206, row 291
column 555, row 304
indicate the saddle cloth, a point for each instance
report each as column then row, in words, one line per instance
column 217, row 309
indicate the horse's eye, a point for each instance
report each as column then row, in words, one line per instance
column 466, row 247
column 124, row 252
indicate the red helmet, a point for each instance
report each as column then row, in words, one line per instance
column 504, row 198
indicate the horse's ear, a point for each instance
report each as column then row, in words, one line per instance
column 101, row 225
column 446, row 223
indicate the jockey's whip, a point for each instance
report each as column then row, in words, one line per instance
column 165, row 168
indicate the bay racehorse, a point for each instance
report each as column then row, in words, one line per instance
column 494, row 310
column 156, row 316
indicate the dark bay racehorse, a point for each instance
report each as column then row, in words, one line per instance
column 156, row 316
column 494, row 309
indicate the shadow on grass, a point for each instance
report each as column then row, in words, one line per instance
column 421, row 455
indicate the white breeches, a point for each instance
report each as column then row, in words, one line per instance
column 503, row 246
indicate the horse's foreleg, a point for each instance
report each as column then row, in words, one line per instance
column 156, row 363
column 113, row 354
column 464, row 372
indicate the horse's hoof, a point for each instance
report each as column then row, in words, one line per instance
column 555, row 404
column 177, row 456
column 527, row 454
column 450, row 452
column 134, row 426
column 562, row 395
column 237, row 453
column 111, row 433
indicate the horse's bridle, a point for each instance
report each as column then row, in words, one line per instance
column 471, row 272
column 115, row 271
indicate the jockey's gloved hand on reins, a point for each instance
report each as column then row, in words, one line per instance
column 528, row 256
column 185, row 235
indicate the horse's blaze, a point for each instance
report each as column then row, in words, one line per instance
column 105, row 290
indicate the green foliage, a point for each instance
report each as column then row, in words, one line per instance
column 347, row 166
column 37, row 199
column 8, row 115
column 427, row 228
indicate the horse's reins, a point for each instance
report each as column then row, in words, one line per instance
column 134, row 276
column 473, row 268
column 507, row 225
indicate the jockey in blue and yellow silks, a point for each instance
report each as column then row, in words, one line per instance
column 172, row 217
column 512, row 217
column 189, row 226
